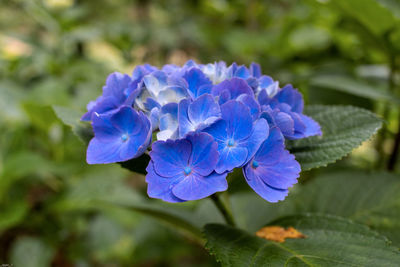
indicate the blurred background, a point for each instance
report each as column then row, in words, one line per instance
column 59, row 52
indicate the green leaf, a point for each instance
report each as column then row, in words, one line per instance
column 372, row 199
column 29, row 251
column 370, row 13
column 351, row 86
column 330, row 241
column 367, row 198
column 344, row 128
column 71, row 118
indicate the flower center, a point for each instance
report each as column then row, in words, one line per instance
column 124, row 137
column 187, row 170
column 231, row 142
column 255, row 164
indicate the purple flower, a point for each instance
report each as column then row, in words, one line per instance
column 120, row 136
column 237, row 135
column 273, row 169
column 183, row 169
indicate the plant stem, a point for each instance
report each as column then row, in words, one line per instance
column 225, row 211
column 395, row 151
column 387, row 108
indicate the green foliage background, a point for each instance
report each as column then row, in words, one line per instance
column 55, row 210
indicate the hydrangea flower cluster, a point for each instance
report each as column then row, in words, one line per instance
column 208, row 120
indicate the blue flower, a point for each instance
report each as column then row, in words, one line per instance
column 231, row 89
column 168, row 125
column 159, row 89
column 197, row 115
column 216, row 72
column 183, row 169
column 273, row 169
column 237, row 135
column 120, row 136
column 285, row 110
column 113, row 95
column 198, row 82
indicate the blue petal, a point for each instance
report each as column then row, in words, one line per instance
column 127, row 121
column 139, row 138
column 218, row 131
column 203, row 109
column 235, row 86
column 195, row 79
column 292, row 97
column 155, row 82
column 285, row 123
column 161, row 187
column 140, row 71
column 312, row 127
column 103, row 152
column 195, row 186
column 258, row 136
column 103, row 128
column 185, row 126
column 252, row 104
column 170, row 157
column 255, row 70
column 115, row 86
column 261, row 188
column 238, row 118
column 242, row 72
column 204, row 153
column 102, row 105
column 277, row 169
column 230, row 158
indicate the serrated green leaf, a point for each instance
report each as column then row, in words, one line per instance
column 330, row 241
column 368, row 198
column 351, row 86
column 344, row 128
column 71, row 118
